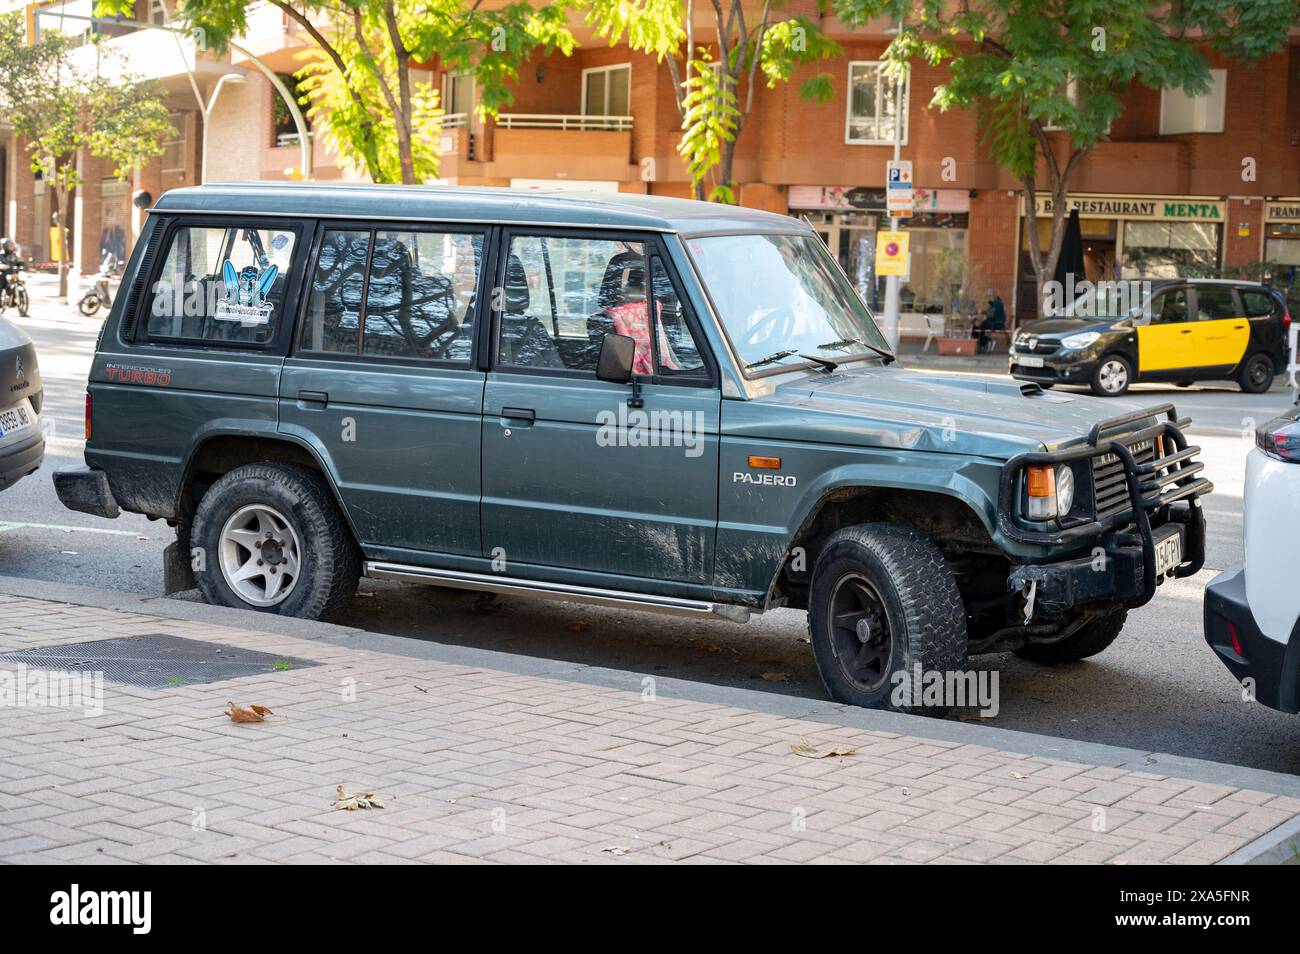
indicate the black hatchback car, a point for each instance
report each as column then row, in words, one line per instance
column 1176, row 330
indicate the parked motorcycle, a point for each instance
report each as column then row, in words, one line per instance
column 99, row 294
column 13, row 294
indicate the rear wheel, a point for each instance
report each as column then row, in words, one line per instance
column 1089, row 640
column 883, row 601
column 1112, row 376
column 89, row 304
column 272, row 540
column 1256, row 375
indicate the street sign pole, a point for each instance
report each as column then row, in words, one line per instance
column 892, row 282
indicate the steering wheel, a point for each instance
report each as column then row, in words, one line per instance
column 760, row 329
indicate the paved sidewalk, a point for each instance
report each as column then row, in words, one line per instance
column 481, row 764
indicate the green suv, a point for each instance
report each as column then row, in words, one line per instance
column 615, row 399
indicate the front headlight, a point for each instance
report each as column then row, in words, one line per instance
column 1075, row 342
column 1064, row 489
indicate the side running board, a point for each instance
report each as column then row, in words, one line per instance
column 492, row 583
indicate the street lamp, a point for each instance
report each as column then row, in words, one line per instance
column 237, row 79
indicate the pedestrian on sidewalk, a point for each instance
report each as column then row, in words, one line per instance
column 995, row 319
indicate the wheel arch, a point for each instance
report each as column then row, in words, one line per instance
column 220, row 449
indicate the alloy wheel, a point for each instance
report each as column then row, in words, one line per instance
column 860, row 634
column 260, row 555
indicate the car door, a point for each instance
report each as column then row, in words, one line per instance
column 579, row 484
column 1222, row 329
column 1166, row 340
column 383, row 381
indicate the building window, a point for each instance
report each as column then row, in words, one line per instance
column 1071, row 92
column 173, row 155
column 457, row 99
column 1180, row 113
column 873, row 105
column 607, row 91
column 157, row 12
column 1170, row 249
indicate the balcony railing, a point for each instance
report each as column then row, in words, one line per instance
column 454, row 120
column 561, row 121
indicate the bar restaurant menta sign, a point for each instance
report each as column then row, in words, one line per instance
column 1156, row 208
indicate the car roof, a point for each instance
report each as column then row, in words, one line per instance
column 482, row 204
column 1228, row 282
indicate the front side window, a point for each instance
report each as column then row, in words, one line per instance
column 1169, row 307
column 222, row 284
column 781, row 296
column 394, row 294
column 562, row 295
column 873, row 105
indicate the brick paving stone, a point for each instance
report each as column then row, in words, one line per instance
column 494, row 767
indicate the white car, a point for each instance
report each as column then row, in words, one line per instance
column 22, row 443
column 1252, row 610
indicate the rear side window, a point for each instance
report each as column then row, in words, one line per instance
column 395, row 294
column 221, row 284
column 1257, row 304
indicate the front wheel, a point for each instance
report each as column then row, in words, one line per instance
column 273, row 540
column 21, row 301
column 883, row 603
column 1256, row 375
column 1112, row 377
column 1088, row 640
column 89, row 304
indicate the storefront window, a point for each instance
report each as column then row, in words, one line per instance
column 1282, row 244
column 1169, row 249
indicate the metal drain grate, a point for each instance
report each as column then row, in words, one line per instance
column 156, row 660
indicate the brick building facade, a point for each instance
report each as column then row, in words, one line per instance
column 1182, row 184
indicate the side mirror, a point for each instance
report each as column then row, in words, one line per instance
column 615, row 362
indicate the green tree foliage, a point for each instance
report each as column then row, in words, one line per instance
column 715, row 84
column 366, row 73
column 1031, row 68
column 59, row 105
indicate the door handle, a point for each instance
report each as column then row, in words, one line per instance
column 1185, row 331
column 314, row 397
column 519, row 414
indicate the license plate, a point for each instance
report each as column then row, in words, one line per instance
column 1169, row 552
column 1028, row 361
column 14, row 418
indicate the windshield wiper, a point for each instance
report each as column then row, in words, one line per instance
column 826, row 363
column 832, row 345
column 771, row 359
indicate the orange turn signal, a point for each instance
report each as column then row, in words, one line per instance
column 764, row 463
column 1042, row 480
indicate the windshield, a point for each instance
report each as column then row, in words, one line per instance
column 781, row 297
column 1103, row 300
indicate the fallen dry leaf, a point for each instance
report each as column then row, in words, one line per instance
column 579, row 627
column 775, row 676
column 253, row 714
column 810, row 751
column 708, row 648
column 617, row 850
column 1019, row 775
column 352, row 802
column 261, row 710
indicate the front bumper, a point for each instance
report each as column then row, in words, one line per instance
column 20, row 459
column 86, row 489
column 1061, row 367
column 1273, row 667
column 1163, row 499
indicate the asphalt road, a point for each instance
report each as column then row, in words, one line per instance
column 1158, row 689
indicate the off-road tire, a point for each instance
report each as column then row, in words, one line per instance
column 1256, row 374
column 1088, row 641
column 330, row 560
column 926, row 617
